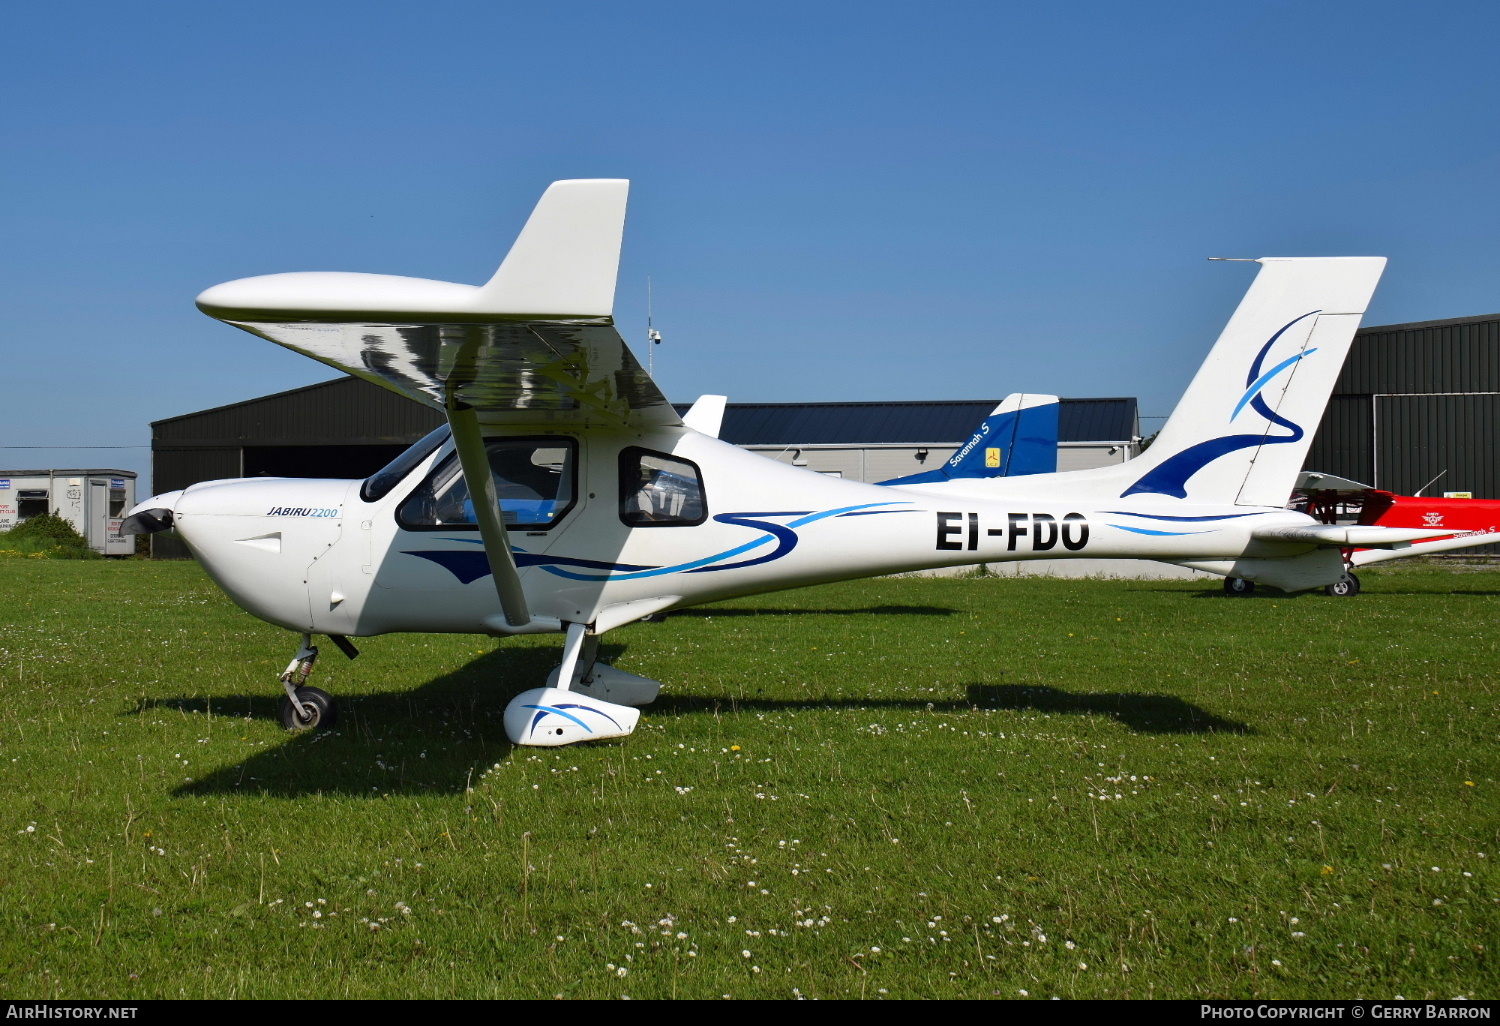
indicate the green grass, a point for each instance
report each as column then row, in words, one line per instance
column 1204, row 796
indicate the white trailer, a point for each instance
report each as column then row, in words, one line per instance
column 93, row 501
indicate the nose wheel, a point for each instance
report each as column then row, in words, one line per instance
column 317, row 711
column 304, row 707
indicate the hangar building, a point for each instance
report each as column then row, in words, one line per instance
column 1417, row 404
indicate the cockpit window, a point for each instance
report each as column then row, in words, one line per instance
column 657, row 490
column 379, row 484
column 534, row 480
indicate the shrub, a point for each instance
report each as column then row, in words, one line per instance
column 46, row 536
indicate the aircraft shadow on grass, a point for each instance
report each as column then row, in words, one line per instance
column 440, row 736
column 704, row 612
column 1147, row 714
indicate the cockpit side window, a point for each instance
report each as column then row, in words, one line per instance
column 657, row 490
column 378, row 485
column 535, row 480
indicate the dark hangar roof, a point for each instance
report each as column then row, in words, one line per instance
column 946, row 422
column 350, row 411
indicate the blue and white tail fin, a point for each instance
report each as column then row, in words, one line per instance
column 1242, row 429
column 1018, row 437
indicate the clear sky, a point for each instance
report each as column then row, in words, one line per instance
column 835, row 201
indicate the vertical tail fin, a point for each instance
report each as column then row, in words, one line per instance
column 1243, row 428
column 1018, row 437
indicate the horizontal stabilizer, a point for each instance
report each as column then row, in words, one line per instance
column 1426, row 548
column 1345, row 537
column 1314, row 481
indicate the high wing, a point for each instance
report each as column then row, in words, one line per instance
column 535, row 344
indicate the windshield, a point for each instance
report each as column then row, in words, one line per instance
column 379, row 484
column 533, row 480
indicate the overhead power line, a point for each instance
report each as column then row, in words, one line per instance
column 75, row 446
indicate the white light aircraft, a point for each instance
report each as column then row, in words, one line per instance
column 595, row 505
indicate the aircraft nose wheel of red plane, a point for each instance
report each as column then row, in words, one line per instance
column 318, row 712
column 1345, row 587
column 1238, row 586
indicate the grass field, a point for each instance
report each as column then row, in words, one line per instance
column 902, row 787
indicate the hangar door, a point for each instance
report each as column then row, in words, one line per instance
column 1418, row 437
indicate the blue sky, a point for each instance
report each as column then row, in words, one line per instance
column 835, row 201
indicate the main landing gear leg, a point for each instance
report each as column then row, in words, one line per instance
column 562, row 713
column 305, row 708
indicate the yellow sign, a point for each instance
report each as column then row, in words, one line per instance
column 992, row 457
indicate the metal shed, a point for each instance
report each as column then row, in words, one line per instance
column 93, row 501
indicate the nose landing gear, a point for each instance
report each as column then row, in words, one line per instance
column 305, row 708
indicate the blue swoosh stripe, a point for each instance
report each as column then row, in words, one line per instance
column 1265, row 379
column 1170, row 477
column 597, row 712
column 1147, row 530
column 470, row 566
column 545, row 709
column 1156, row 516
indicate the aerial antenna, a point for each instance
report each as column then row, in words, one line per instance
column 1429, row 484
column 653, row 337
